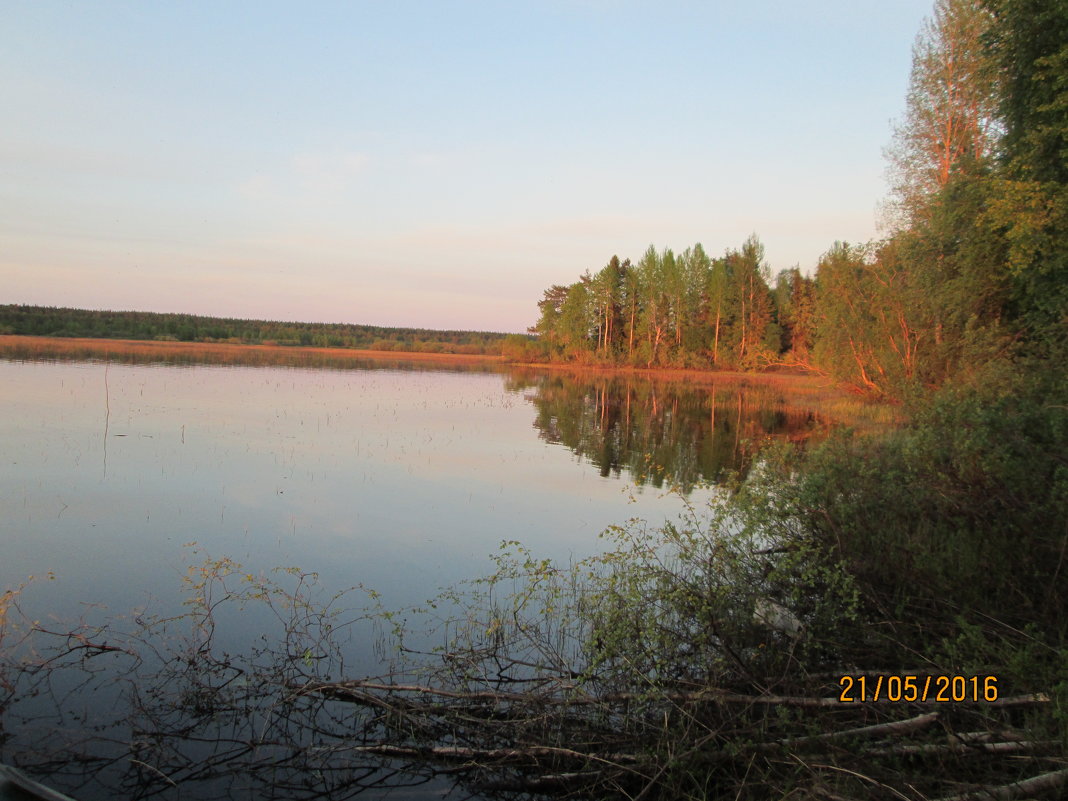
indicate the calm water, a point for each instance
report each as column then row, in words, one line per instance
column 402, row 480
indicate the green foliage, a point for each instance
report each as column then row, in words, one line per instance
column 1028, row 44
column 667, row 310
column 950, row 121
column 960, row 514
column 1024, row 660
column 863, row 332
column 941, row 546
column 522, row 349
column 795, row 305
column 61, row 322
column 674, row 606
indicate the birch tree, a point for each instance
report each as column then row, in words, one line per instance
column 950, row 121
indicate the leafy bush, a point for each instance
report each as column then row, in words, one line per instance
column 963, row 510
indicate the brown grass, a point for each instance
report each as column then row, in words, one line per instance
column 34, row 347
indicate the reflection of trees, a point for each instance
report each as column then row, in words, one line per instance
column 673, row 434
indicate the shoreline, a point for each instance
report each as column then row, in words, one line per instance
column 62, row 346
column 794, row 381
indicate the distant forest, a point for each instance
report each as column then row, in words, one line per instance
column 58, row 322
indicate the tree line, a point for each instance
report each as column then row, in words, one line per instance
column 62, row 322
column 679, row 310
column 974, row 268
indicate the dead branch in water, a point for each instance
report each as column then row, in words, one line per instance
column 593, row 717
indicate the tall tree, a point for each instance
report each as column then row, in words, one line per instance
column 694, row 267
column 796, row 302
column 1029, row 42
column 654, row 320
column 1029, row 45
column 716, row 288
column 951, row 118
column 578, row 318
column 870, row 326
column 752, row 300
column 632, row 299
column 844, row 317
column 550, row 307
column 608, row 288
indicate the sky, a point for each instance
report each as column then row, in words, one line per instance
column 428, row 164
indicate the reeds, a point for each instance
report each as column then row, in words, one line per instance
column 33, row 348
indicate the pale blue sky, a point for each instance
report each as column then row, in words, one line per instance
column 434, row 164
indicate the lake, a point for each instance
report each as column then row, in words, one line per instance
column 402, row 478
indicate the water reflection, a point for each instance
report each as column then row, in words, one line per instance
column 672, row 434
column 663, row 433
column 398, row 476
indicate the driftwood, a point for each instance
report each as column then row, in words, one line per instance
column 527, row 755
column 504, row 717
column 533, row 753
column 27, row 787
column 929, row 749
column 1007, row 792
column 877, row 730
column 363, row 691
column 502, row 746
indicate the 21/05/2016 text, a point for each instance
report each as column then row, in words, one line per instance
column 917, row 688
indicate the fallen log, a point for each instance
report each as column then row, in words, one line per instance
column 352, row 690
column 1007, row 792
column 524, row 755
column 877, row 730
column 927, row 749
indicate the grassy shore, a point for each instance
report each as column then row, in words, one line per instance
column 14, row 346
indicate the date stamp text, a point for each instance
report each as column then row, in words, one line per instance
column 918, row 688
